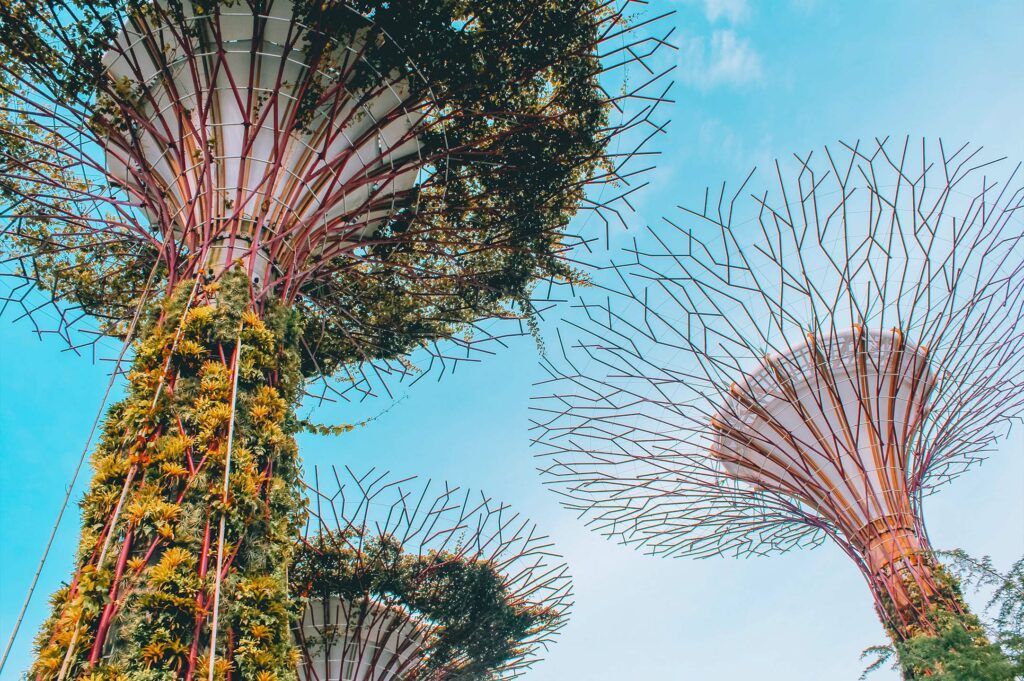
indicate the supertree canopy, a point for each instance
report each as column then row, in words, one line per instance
column 392, row 170
column 804, row 362
column 256, row 195
column 405, row 580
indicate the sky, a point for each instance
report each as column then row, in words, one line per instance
column 755, row 81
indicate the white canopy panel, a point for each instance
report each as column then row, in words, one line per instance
column 348, row 641
column 221, row 141
column 831, row 422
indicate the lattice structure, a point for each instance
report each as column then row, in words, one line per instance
column 408, row 580
column 801, row 362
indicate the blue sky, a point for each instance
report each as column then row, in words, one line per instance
column 755, row 81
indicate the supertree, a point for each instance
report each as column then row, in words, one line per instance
column 255, row 196
column 402, row 579
column 805, row 362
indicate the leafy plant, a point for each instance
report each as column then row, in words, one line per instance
column 956, row 647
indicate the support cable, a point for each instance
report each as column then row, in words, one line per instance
column 224, row 511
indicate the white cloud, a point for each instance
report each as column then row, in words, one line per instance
column 726, row 59
column 732, row 11
column 734, row 150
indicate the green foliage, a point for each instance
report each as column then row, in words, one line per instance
column 475, row 624
column 1006, row 626
column 957, row 651
column 324, row 429
column 29, row 43
column 949, row 643
column 174, row 503
column 508, row 215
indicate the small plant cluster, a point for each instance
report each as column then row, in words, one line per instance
column 143, row 611
column 461, row 607
column 946, row 642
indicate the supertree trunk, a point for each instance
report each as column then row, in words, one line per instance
column 901, row 567
column 194, row 505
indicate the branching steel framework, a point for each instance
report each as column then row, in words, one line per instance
column 804, row 362
column 341, row 161
column 366, row 530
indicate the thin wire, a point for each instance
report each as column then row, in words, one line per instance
column 78, row 469
column 224, row 512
